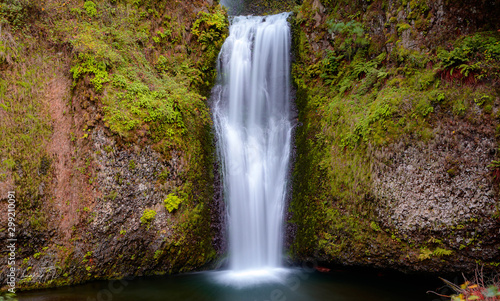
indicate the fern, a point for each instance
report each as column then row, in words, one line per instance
column 442, row 252
column 424, row 254
column 465, row 69
column 87, row 64
column 353, row 35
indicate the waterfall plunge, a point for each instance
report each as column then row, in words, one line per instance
column 252, row 120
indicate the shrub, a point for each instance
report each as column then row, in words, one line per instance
column 90, row 8
column 87, row 64
column 148, row 216
column 172, row 202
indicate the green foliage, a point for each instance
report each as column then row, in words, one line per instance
column 481, row 100
column 455, row 57
column 402, row 27
column 14, row 12
column 148, row 216
column 356, row 102
column 459, row 107
column 171, row 66
column 90, row 8
column 477, row 46
column 409, row 59
column 211, row 29
column 331, row 63
column 87, row 64
column 477, row 290
column 163, row 176
column 362, row 129
column 158, row 253
column 138, row 104
column 477, row 54
column 26, row 125
column 417, row 8
column 112, row 196
column 9, row 163
column 8, row 297
column 442, row 252
column 352, row 36
column 440, row 97
column 158, row 100
column 424, row 80
column 423, row 108
column 172, row 202
column 193, row 244
column 131, row 165
column 374, row 226
column 371, row 78
column 425, row 253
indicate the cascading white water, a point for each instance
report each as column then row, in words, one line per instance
column 252, row 119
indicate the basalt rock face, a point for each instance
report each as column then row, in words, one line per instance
column 442, row 183
column 114, row 172
column 396, row 162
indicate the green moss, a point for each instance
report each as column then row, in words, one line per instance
column 459, row 108
column 374, row 226
column 131, row 165
column 26, row 124
column 192, row 246
column 402, row 27
column 417, row 8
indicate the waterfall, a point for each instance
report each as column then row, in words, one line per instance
column 251, row 110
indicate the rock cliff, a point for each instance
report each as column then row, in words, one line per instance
column 396, row 149
column 106, row 138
